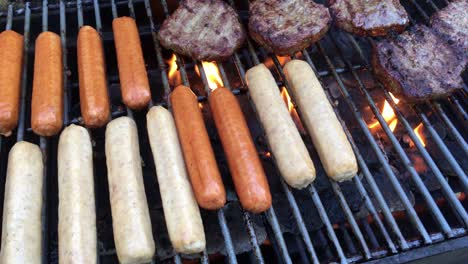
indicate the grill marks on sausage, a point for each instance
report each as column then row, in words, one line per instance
column 417, row 65
column 287, row 26
column 369, row 17
column 203, row 29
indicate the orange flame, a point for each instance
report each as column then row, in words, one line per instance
column 174, row 76
column 418, row 132
column 292, row 110
column 269, row 63
column 388, row 114
column 212, row 74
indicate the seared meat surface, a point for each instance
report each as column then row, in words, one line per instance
column 369, row 17
column 451, row 23
column 417, row 65
column 287, row 26
column 203, row 29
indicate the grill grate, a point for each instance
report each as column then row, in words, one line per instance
column 355, row 240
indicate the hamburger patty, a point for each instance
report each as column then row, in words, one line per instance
column 287, row 26
column 369, row 17
column 203, row 29
column 451, row 23
column 417, row 65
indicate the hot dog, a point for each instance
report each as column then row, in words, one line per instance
column 94, row 98
column 243, row 161
column 47, row 95
column 130, row 215
column 77, row 210
column 11, row 58
column 183, row 220
column 22, row 224
column 326, row 132
column 198, row 153
column 286, row 143
column 134, row 82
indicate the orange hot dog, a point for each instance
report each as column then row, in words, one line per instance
column 11, row 58
column 198, row 153
column 244, row 164
column 47, row 95
column 94, row 98
column 134, row 82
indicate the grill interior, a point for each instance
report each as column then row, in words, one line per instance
column 406, row 196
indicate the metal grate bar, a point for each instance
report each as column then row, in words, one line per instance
column 336, row 188
column 289, row 195
column 63, row 37
column 401, row 153
column 79, row 8
column 452, row 129
column 450, row 195
column 450, row 158
column 441, row 145
column 24, row 77
column 252, row 236
column 317, row 202
column 385, row 165
column 44, row 149
column 9, row 17
column 383, row 205
column 162, row 67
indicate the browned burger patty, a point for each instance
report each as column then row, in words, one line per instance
column 287, row 26
column 369, row 17
column 417, row 65
column 203, row 29
column 451, row 23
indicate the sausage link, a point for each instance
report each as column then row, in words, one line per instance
column 77, row 210
column 47, row 95
column 286, row 143
column 183, row 220
column 22, row 223
column 131, row 222
column 244, row 164
column 198, row 153
column 94, row 98
column 327, row 134
column 134, row 83
column 11, row 57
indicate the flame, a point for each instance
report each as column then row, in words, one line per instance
column 292, row 110
column 388, row 114
column 269, row 63
column 418, row 132
column 212, row 74
column 174, row 76
column 200, row 105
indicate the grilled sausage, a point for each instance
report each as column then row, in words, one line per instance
column 183, row 220
column 286, row 143
column 11, row 57
column 47, row 95
column 198, row 153
column 328, row 136
column 130, row 215
column 94, row 98
column 22, row 224
column 134, row 82
column 77, row 210
column 243, row 161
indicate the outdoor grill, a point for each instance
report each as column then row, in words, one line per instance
column 407, row 202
